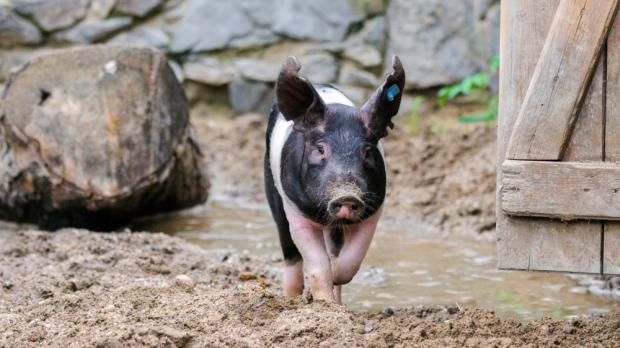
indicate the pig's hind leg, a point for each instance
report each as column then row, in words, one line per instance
column 293, row 282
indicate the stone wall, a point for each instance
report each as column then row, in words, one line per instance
column 228, row 52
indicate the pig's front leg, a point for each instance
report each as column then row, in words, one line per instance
column 357, row 240
column 333, row 241
column 308, row 237
column 338, row 293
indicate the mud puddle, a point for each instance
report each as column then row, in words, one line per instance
column 407, row 265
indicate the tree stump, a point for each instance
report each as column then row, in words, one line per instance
column 93, row 137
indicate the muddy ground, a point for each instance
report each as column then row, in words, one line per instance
column 76, row 288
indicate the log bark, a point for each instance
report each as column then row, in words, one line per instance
column 94, row 137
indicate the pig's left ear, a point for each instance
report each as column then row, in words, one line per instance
column 384, row 103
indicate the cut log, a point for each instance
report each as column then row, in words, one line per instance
column 93, row 137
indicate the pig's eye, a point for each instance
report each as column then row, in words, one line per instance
column 317, row 155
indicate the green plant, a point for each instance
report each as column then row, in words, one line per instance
column 465, row 87
column 413, row 114
column 475, row 82
column 489, row 115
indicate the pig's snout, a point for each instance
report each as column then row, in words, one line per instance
column 346, row 208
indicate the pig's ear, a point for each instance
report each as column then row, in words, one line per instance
column 384, row 103
column 297, row 100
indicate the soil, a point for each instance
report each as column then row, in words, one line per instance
column 82, row 289
column 78, row 288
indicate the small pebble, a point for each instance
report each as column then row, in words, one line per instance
column 388, row 311
column 221, row 257
column 245, row 276
column 569, row 329
column 184, row 281
column 368, row 328
column 111, row 67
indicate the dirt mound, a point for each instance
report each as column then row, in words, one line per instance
column 446, row 179
column 128, row 289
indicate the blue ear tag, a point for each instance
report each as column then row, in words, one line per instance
column 392, row 92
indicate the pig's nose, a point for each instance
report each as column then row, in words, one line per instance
column 347, row 207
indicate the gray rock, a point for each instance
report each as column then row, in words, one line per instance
column 366, row 55
column 365, row 46
column 321, row 20
column 246, row 96
column 16, row 31
column 257, row 70
column 89, row 32
column 258, row 36
column 209, row 71
column 138, row 8
column 118, row 118
column 212, row 25
column 350, row 75
column 441, row 42
column 143, row 36
column 375, row 7
column 319, row 67
column 12, row 59
column 53, row 15
column 331, row 47
column 373, row 32
column 101, row 8
column 178, row 70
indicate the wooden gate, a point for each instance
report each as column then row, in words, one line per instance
column 558, row 181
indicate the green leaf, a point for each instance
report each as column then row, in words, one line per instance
column 486, row 117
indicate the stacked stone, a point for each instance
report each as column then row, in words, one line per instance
column 228, row 53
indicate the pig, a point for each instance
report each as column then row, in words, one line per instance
column 325, row 177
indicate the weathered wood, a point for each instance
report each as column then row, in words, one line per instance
column 560, row 79
column 92, row 137
column 611, row 233
column 562, row 190
column 526, row 243
column 586, row 142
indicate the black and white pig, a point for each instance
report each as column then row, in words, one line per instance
column 325, row 177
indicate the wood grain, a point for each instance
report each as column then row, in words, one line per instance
column 611, row 250
column 561, row 78
column 562, row 190
column 530, row 243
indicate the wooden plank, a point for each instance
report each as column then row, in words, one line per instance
column 527, row 243
column 523, row 28
column 561, row 79
column 611, row 234
column 562, row 190
column 586, row 143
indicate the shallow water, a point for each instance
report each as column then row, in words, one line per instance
column 406, row 266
